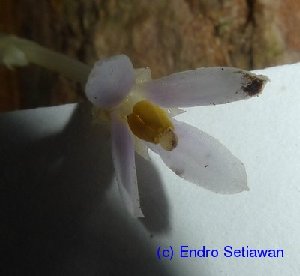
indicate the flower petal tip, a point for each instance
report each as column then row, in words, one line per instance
column 253, row 84
column 139, row 214
column 110, row 81
column 205, row 86
column 204, row 161
column 239, row 188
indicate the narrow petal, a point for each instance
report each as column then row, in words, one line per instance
column 203, row 160
column 124, row 163
column 204, row 86
column 110, row 81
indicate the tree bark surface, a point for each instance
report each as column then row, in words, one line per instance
column 167, row 36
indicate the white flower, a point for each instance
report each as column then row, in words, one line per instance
column 141, row 113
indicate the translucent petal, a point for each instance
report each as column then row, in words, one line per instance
column 172, row 112
column 142, row 75
column 110, row 81
column 204, row 86
column 203, row 160
column 124, row 162
column 141, row 148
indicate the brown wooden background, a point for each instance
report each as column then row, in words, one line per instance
column 167, row 36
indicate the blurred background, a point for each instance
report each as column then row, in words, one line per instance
column 167, row 36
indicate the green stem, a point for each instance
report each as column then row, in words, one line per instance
column 36, row 54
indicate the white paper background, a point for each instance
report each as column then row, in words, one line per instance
column 62, row 216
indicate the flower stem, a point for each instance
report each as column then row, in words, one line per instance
column 15, row 51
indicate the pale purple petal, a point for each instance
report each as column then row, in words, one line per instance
column 203, row 160
column 204, row 86
column 141, row 148
column 110, row 81
column 124, row 163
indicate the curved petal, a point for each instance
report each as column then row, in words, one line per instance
column 204, row 86
column 203, row 160
column 110, row 81
column 124, row 163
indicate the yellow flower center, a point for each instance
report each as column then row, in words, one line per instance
column 151, row 123
column 146, row 120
